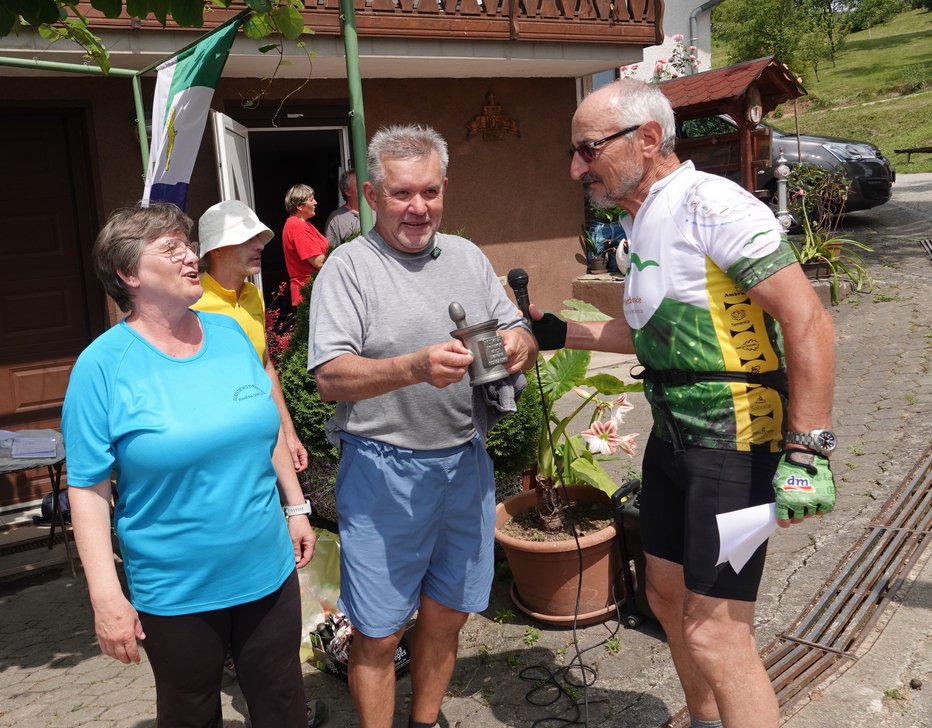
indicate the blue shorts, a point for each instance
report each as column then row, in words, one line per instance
column 413, row 522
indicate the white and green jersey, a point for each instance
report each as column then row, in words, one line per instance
column 698, row 244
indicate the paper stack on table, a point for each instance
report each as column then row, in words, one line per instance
column 33, row 448
column 741, row 532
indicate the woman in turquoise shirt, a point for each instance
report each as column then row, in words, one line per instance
column 176, row 405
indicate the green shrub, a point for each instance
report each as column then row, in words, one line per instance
column 512, row 443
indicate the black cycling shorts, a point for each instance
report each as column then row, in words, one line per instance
column 680, row 498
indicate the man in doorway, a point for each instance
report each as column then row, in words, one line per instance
column 415, row 489
column 231, row 243
column 304, row 247
column 712, row 283
column 343, row 223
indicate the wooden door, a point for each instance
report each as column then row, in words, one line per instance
column 50, row 305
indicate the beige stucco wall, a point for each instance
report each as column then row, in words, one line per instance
column 513, row 197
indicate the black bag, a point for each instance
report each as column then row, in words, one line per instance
column 46, row 508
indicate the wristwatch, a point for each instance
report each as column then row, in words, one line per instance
column 303, row 509
column 822, row 441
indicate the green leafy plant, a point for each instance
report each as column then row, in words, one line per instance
column 593, row 248
column 513, row 661
column 564, row 456
column 503, row 616
column 531, row 636
column 838, row 255
column 613, row 645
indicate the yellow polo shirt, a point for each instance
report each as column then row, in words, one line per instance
column 247, row 309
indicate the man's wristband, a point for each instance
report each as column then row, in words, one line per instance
column 550, row 332
column 303, row 509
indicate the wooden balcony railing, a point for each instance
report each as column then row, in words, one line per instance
column 633, row 22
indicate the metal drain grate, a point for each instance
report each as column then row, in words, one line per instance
column 18, row 547
column 838, row 620
column 927, row 246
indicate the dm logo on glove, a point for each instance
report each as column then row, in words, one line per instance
column 795, row 482
column 803, row 485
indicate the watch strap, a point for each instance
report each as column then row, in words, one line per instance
column 303, row 509
column 800, row 438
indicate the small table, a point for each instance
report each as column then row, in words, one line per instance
column 9, row 465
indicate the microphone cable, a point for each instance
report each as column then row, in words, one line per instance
column 542, row 676
column 518, row 280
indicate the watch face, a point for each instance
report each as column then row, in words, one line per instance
column 826, row 440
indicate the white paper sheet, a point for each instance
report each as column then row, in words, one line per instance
column 741, row 532
column 6, row 435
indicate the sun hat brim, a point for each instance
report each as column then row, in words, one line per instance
column 230, row 222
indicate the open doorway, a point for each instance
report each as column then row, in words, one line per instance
column 282, row 158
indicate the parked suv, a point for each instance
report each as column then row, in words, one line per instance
column 712, row 144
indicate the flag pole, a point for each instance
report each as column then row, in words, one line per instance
column 356, row 114
column 141, row 123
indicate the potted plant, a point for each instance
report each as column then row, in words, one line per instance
column 571, row 479
column 608, row 236
column 823, row 254
column 595, row 251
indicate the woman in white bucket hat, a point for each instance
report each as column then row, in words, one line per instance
column 231, row 243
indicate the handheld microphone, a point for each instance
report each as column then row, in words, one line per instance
column 517, row 279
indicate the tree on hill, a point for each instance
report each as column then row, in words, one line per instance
column 831, row 21
column 754, row 28
column 799, row 32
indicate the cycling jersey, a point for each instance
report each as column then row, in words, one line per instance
column 697, row 245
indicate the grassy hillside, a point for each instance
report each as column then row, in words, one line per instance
column 880, row 91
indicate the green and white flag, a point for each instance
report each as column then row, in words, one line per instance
column 183, row 91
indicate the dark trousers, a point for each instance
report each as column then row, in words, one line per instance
column 187, row 653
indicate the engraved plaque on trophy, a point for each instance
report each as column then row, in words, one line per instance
column 485, row 345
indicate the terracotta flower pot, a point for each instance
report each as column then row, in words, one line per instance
column 598, row 265
column 817, row 271
column 546, row 573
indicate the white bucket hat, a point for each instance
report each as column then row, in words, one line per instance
column 229, row 223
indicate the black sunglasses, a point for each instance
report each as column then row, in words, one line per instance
column 587, row 150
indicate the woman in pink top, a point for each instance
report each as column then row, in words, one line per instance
column 304, row 247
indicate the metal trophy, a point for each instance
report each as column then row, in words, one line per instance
column 486, row 346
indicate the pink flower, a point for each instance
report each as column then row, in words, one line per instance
column 621, row 403
column 634, row 68
column 677, row 38
column 692, row 49
column 602, row 438
column 627, row 443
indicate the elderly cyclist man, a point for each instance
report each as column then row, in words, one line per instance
column 711, row 286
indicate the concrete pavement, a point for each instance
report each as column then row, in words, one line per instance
column 52, row 674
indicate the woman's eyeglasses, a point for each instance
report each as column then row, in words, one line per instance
column 175, row 250
column 587, row 150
